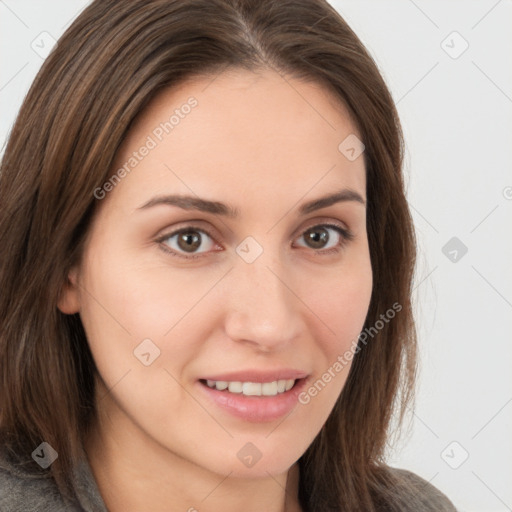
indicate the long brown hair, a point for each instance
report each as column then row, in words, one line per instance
column 114, row 58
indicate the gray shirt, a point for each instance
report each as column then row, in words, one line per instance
column 32, row 491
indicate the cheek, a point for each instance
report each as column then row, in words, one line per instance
column 341, row 301
column 124, row 304
column 142, row 300
column 129, row 312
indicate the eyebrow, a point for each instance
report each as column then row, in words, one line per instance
column 217, row 208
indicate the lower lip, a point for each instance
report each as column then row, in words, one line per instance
column 257, row 409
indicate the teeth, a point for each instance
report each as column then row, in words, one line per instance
column 235, row 387
column 269, row 388
column 289, row 384
column 253, row 388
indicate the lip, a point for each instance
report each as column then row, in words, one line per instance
column 258, row 375
column 255, row 409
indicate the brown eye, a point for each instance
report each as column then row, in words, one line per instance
column 317, row 238
column 189, row 240
column 325, row 237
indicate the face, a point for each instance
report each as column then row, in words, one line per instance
column 247, row 284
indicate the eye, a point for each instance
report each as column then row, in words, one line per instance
column 188, row 242
column 192, row 242
column 326, row 238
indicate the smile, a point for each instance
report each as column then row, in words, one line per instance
column 266, row 400
column 253, row 388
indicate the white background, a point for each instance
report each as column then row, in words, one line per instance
column 457, row 119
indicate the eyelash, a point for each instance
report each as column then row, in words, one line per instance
column 346, row 236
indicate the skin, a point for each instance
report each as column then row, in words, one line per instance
column 265, row 145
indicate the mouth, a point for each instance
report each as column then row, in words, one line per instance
column 273, row 388
column 263, row 398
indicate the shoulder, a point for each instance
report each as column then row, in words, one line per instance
column 417, row 494
column 23, row 490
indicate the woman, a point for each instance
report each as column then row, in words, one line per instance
column 207, row 259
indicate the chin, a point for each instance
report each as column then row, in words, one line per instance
column 257, row 458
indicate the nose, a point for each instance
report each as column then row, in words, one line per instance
column 262, row 307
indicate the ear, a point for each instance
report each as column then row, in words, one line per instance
column 69, row 302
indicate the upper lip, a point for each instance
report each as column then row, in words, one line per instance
column 258, row 375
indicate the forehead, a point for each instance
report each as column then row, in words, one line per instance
column 242, row 131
